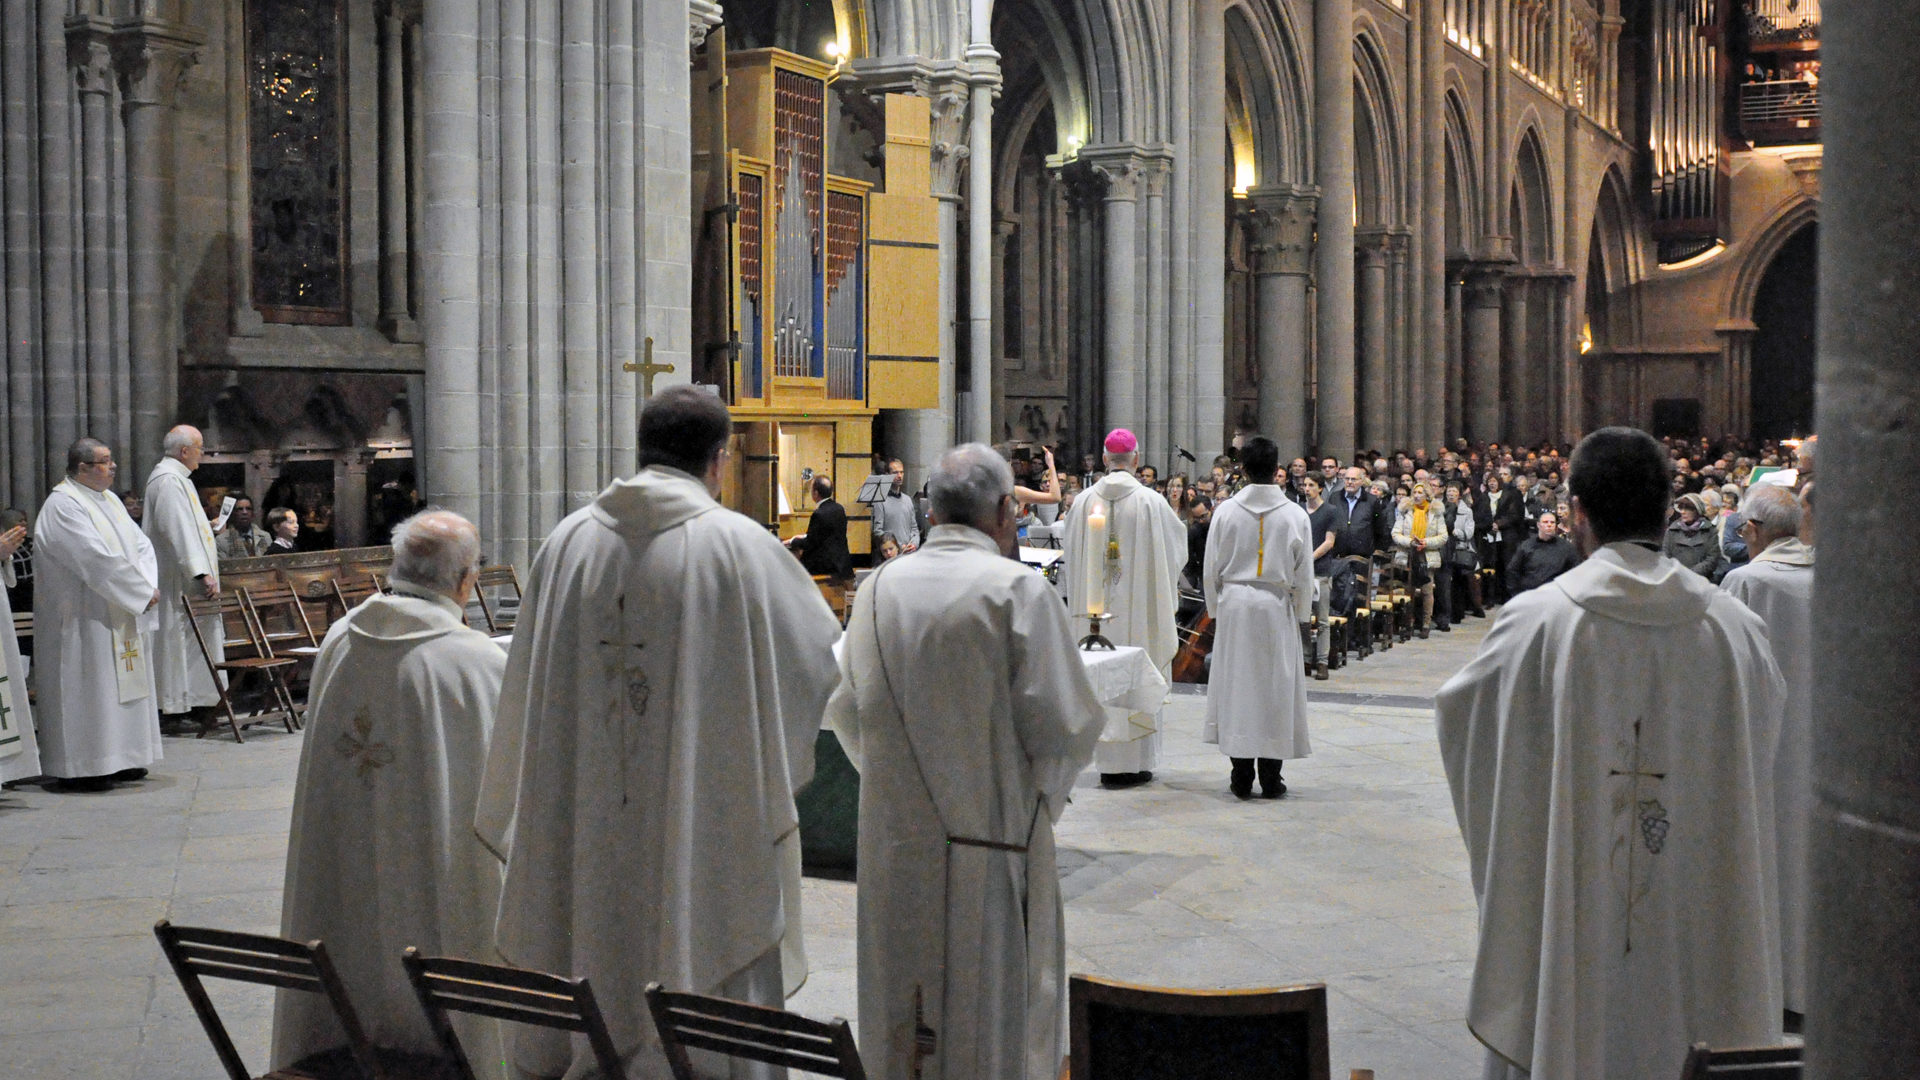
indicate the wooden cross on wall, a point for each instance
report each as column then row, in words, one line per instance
column 648, row 369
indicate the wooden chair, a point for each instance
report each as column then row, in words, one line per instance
column 198, row 952
column 1764, row 1063
column 750, row 1033
column 447, row 985
column 501, row 579
column 835, row 594
column 1360, row 628
column 1119, row 1030
column 281, row 618
column 254, row 656
column 351, row 596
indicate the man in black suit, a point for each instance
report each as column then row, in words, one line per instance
column 1362, row 526
column 823, row 550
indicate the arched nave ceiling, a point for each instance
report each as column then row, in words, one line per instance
column 1039, row 65
column 1532, row 202
column 1378, row 149
column 1264, row 63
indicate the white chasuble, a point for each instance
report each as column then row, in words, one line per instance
column 382, row 853
column 94, row 575
column 1132, row 569
column 1258, row 579
column 968, row 714
column 1778, row 586
column 662, row 698
column 1610, row 753
column 183, row 548
column 19, row 750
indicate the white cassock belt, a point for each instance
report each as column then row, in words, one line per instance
column 129, row 660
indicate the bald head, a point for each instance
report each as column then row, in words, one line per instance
column 185, row 445
column 436, row 550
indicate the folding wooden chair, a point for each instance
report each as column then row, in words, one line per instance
column 501, row 579
column 282, row 618
column 261, row 659
column 1362, row 625
column 447, row 985
column 750, row 1033
column 351, row 596
column 197, row 952
column 1762, row 1063
column 1120, row 1030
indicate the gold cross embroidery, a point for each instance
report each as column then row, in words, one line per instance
column 131, row 654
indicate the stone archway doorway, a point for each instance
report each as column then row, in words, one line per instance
column 1785, row 317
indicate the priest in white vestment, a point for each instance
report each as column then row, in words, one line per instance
column 19, row 750
column 1124, row 550
column 1778, row 585
column 662, row 698
column 382, row 853
column 189, row 564
column 95, row 588
column 1258, row 579
column 968, row 713
column 1610, row 752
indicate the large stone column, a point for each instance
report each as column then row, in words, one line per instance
column 1085, row 192
column 1454, row 355
column 450, row 260
column 396, row 299
column 1376, row 404
column 1403, row 331
column 1125, row 374
column 924, row 434
column 90, row 54
column 1519, row 367
column 152, row 58
column 1480, row 395
column 1866, row 787
column 1431, row 272
column 983, row 82
column 1160, row 382
column 1206, row 390
column 1333, row 254
column 1283, row 261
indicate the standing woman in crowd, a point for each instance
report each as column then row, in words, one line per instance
column 1693, row 541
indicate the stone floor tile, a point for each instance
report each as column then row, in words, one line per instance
column 104, row 1054
column 100, row 1002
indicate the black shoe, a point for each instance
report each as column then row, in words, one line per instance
column 127, row 775
column 1320, row 671
column 1423, row 633
column 1240, row 781
column 82, row 785
column 1479, row 613
column 1445, row 628
column 1124, row 779
column 1271, row 786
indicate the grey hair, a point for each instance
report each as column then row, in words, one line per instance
column 434, row 549
column 1124, row 462
column 178, row 439
column 1773, row 508
column 81, row 453
column 967, row 484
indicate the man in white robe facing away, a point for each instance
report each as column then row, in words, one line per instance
column 968, row 713
column 1777, row 583
column 19, row 750
column 1610, row 752
column 1124, row 550
column 662, row 698
column 382, row 853
column 189, row 564
column 95, row 589
column 1258, row 579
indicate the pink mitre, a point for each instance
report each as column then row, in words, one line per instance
column 1121, row 441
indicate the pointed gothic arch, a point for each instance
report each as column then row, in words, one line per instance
column 1531, row 201
column 1378, row 145
column 1262, row 53
column 1462, row 179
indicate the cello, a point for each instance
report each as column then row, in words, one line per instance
column 1196, row 641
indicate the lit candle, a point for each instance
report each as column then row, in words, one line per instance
column 1097, row 563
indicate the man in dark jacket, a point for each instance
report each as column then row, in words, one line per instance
column 823, row 550
column 1501, row 534
column 1542, row 557
column 1362, row 526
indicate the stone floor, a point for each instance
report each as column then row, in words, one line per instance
column 1356, row 879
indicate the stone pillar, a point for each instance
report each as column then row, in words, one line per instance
column 1161, row 385
column 1125, row 376
column 1206, row 390
column 1085, row 190
column 1480, row 344
column 1519, row 367
column 1863, row 994
column 1283, row 260
column 984, row 82
column 927, row 433
column 152, row 58
column 1403, row 327
column 1431, row 271
column 450, row 261
column 90, row 53
column 1333, row 254
column 350, row 498
column 1736, row 371
column 1454, row 355
column 396, row 298
column 1376, row 403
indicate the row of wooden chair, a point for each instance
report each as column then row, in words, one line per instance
column 447, row 985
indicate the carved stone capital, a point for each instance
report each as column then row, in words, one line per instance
column 1485, row 285
column 947, row 111
column 1282, row 221
column 702, row 17
column 90, row 53
column 1085, row 188
column 1374, row 245
column 152, row 59
column 1156, row 173
column 1123, row 167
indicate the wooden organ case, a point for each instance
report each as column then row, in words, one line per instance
column 812, row 301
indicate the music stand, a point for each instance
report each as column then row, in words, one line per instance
column 875, row 489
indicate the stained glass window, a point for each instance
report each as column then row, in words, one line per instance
column 296, row 68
